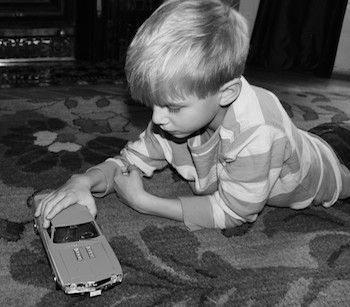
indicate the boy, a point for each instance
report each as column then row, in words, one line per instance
column 234, row 143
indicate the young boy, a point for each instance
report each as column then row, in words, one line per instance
column 234, row 143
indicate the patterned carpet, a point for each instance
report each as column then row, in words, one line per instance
column 286, row 258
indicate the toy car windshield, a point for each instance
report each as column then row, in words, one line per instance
column 75, row 233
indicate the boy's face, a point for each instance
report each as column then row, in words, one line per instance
column 183, row 118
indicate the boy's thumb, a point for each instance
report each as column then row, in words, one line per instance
column 133, row 168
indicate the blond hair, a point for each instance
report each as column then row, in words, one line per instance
column 186, row 47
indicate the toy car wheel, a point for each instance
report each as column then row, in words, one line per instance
column 35, row 228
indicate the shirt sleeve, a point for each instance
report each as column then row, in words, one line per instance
column 247, row 170
column 147, row 153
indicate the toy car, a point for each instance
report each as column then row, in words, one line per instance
column 81, row 259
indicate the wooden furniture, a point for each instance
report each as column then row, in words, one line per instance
column 68, row 30
column 36, row 31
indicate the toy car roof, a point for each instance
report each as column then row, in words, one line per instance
column 73, row 215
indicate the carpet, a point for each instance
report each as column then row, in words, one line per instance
column 286, row 258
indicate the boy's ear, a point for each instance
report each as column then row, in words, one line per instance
column 230, row 91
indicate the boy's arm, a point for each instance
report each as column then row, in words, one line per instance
column 129, row 188
column 147, row 154
column 244, row 185
column 248, row 171
column 163, row 207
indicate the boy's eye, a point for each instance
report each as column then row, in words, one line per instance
column 174, row 110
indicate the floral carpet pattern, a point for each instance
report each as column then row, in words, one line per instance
column 286, row 258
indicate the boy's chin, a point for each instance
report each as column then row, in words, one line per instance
column 174, row 136
column 177, row 137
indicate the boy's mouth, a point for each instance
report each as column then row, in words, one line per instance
column 174, row 133
column 176, row 137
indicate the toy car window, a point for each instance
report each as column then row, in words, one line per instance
column 75, row 233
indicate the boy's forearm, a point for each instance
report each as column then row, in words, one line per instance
column 93, row 179
column 97, row 179
column 164, row 207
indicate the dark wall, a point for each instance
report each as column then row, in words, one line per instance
column 297, row 35
column 105, row 35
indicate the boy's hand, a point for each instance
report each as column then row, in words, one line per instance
column 129, row 187
column 75, row 190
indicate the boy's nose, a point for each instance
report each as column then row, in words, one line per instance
column 159, row 116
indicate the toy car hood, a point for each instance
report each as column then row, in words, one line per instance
column 86, row 261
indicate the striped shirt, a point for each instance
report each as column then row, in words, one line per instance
column 256, row 157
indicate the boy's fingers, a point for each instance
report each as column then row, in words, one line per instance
column 47, row 200
column 50, row 204
column 93, row 211
column 118, row 171
column 53, row 210
column 39, row 207
column 46, row 223
column 65, row 204
column 133, row 169
column 91, row 205
column 125, row 170
column 128, row 170
column 57, row 208
column 121, row 171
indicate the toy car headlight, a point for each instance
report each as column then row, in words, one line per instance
column 89, row 284
column 116, row 278
column 73, row 286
